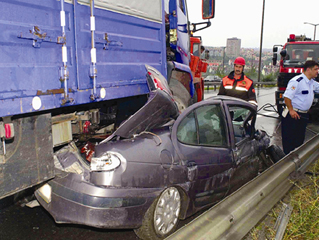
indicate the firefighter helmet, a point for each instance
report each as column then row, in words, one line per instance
column 240, row 61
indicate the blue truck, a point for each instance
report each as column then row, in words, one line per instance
column 72, row 70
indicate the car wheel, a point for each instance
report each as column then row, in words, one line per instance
column 180, row 94
column 275, row 153
column 162, row 217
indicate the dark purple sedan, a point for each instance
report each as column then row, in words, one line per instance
column 159, row 166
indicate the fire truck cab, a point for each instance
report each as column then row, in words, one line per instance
column 294, row 54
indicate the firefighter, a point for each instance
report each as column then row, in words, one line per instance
column 236, row 84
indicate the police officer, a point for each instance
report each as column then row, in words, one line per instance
column 236, row 84
column 298, row 99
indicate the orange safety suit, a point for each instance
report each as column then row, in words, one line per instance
column 242, row 88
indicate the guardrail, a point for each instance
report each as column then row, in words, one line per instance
column 233, row 217
column 257, row 84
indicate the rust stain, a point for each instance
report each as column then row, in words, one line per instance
column 38, row 34
column 52, row 91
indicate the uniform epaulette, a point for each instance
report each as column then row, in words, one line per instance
column 299, row 79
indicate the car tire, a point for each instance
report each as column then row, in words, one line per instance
column 180, row 94
column 162, row 217
column 275, row 153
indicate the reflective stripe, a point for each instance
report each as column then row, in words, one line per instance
column 241, row 89
column 228, row 87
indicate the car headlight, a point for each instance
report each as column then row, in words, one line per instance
column 107, row 162
column 45, row 192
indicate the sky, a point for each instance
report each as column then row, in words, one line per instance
column 243, row 18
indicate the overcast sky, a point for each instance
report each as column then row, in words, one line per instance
column 242, row 19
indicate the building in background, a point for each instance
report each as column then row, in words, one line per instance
column 233, row 47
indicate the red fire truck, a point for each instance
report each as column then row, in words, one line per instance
column 294, row 54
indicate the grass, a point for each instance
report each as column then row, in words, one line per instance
column 304, row 220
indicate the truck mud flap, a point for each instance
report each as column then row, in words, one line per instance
column 28, row 158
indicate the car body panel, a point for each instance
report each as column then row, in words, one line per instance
column 76, row 201
column 149, row 166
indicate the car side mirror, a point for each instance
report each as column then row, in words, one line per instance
column 283, row 53
column 274, row 59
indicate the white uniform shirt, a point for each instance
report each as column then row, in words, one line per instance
column 300, row 91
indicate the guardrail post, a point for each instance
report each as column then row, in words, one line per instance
column 282, row 221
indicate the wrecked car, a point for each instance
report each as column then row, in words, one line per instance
column 159, row 166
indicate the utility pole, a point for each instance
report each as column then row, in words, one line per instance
column 223, row 58
column 261, row 41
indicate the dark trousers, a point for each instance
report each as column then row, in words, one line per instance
column 293, row 131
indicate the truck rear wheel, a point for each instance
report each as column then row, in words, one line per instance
column 180, row 94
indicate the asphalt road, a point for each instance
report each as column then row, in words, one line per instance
column 18, row 222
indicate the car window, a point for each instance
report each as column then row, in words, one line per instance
column 241, row 122
column 211, row 126
column 186, row 131
column 196, row 49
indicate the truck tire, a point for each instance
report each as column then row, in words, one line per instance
column 180, row 94
column 275, row 153
column 194, row 98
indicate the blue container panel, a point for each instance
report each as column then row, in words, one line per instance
column 31, row 57
column 25, row 69
column 133, row 42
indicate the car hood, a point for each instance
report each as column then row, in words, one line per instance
column 158, row 110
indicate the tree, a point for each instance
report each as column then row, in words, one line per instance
column 271, row 77
column 251, row 73
column 220, row 72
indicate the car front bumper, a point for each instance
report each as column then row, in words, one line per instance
column 79, row 202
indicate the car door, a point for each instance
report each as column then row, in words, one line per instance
column 200, row 137
column 241, row 125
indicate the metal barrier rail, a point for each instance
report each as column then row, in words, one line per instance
column 257, row 84
column 233, row 217
column 215, row 84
